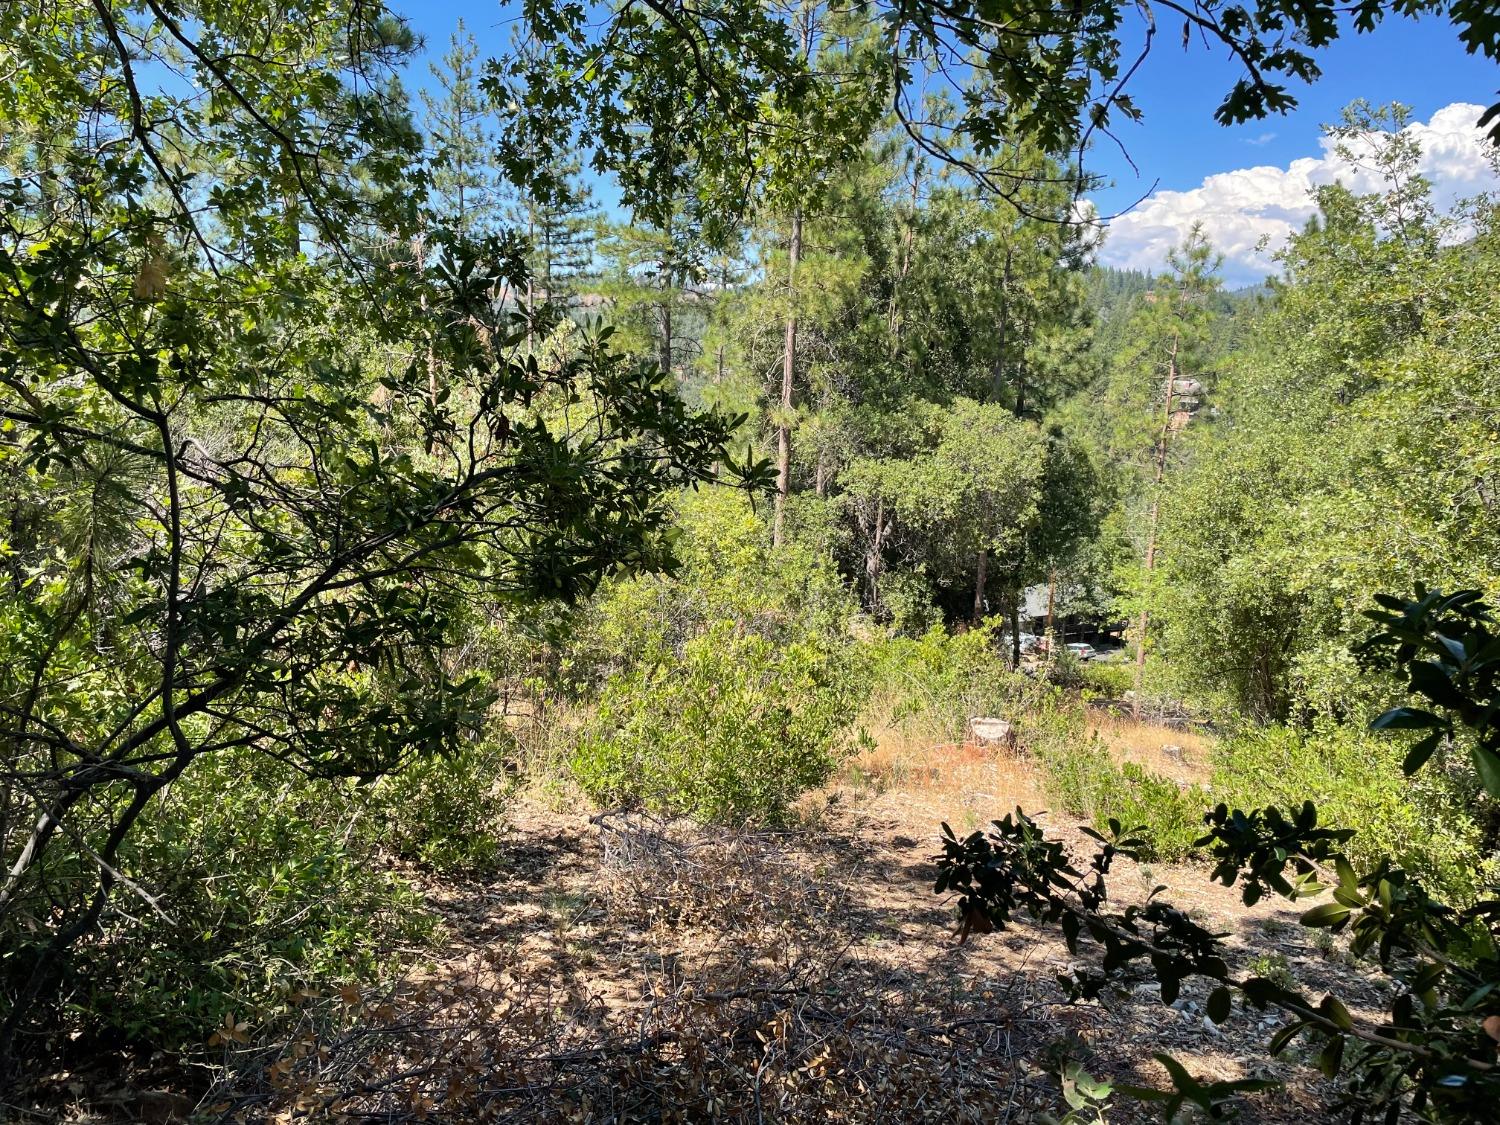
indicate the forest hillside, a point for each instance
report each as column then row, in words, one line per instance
column 640, row 564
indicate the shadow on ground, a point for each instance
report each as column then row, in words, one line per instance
column 625, row 969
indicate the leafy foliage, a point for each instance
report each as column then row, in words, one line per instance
column 264, row 882
column 1460, row 675
column 265, row 453
column 448, row 813
column 726, row 691
column 1434, row 825
column 1085, row 780
column 702, row 77
column 1358, row 391
column 305, row 462
column 731, row 732
column 1433, row 1056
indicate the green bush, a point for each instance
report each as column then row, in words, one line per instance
column 1427, row 824
column 935, row 683
column 1107, row 679
column 447, row 813
column 1086, row 780
column 268, row 881
column 906, row 599
column 729, row 573
column 732, row 732
column 1172, row 813
column 724, row 691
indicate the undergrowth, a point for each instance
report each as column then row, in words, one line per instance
column 265, row 881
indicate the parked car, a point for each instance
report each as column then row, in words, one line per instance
column 1030, row 642
column 1082, row 651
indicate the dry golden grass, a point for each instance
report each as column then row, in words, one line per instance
column 1181, row 755
column 914, row 774
column 900, row 757
column 918, row 779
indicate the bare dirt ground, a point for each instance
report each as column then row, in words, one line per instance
column 623, row 969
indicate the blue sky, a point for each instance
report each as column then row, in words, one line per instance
column 1418, row 62
column 1179, row 148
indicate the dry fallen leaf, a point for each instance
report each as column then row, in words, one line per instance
column 151, row 280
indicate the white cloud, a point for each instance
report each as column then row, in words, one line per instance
column 1238, row 209
column 1263, row 139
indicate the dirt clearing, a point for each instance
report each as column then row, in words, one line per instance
column 626, row 969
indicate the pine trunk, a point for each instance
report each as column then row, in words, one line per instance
column 1161, row 469
column 788, row 371
column 979, row 582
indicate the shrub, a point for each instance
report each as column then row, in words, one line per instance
column 732, row 732
column 1063, row 669
column 1426, row 824
column 1107, row 679
column 906, row 599
column 1087, row 781
column 446, row 812
column 1172, row 813
column 936, row 682
column 265, row 883
column 729, row 573
column 726, row 690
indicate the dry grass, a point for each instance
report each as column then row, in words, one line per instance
column 912, row 778
column 1182, row 755
column 912, row 770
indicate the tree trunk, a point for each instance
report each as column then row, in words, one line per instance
column 873, row 559
column 1020, row 381
column 432, row 378
column 907, row 239
column 1161, row 468
column 788, row 370
column 997, row 376
column 979, row 580
column 665, row 358
column 530, row 281
column 1015, row 628
column 668, row 276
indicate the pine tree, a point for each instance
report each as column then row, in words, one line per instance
column 653, row 277
column 461, row 138
column 564, row 224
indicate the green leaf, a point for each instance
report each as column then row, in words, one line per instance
column 1418, row 755
column 1331, row 1057
column 1334, row 1009
column 1432, row 681
column 1487, row 765
column 1220, row 1003
column 1406, row 718
column 1328, row 914
column 1284, row 1036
